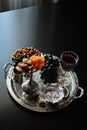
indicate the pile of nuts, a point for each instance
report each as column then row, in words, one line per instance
column 24, row 64
column 29, row 51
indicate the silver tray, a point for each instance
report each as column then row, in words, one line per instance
column 14, row 88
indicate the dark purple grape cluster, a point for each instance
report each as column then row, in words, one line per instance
column 49, row 72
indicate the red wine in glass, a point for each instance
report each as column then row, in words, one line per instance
column 69, row 60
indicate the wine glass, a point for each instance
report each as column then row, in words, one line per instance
column 68, row 60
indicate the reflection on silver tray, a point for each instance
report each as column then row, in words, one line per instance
column 67, row 86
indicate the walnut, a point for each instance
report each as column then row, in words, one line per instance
column 29, row 51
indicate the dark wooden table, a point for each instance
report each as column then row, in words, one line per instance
column 51, row 29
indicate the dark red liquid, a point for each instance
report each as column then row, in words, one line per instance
column 68, row 62
column 69, row 59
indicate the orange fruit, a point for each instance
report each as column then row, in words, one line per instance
column 37, row 61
